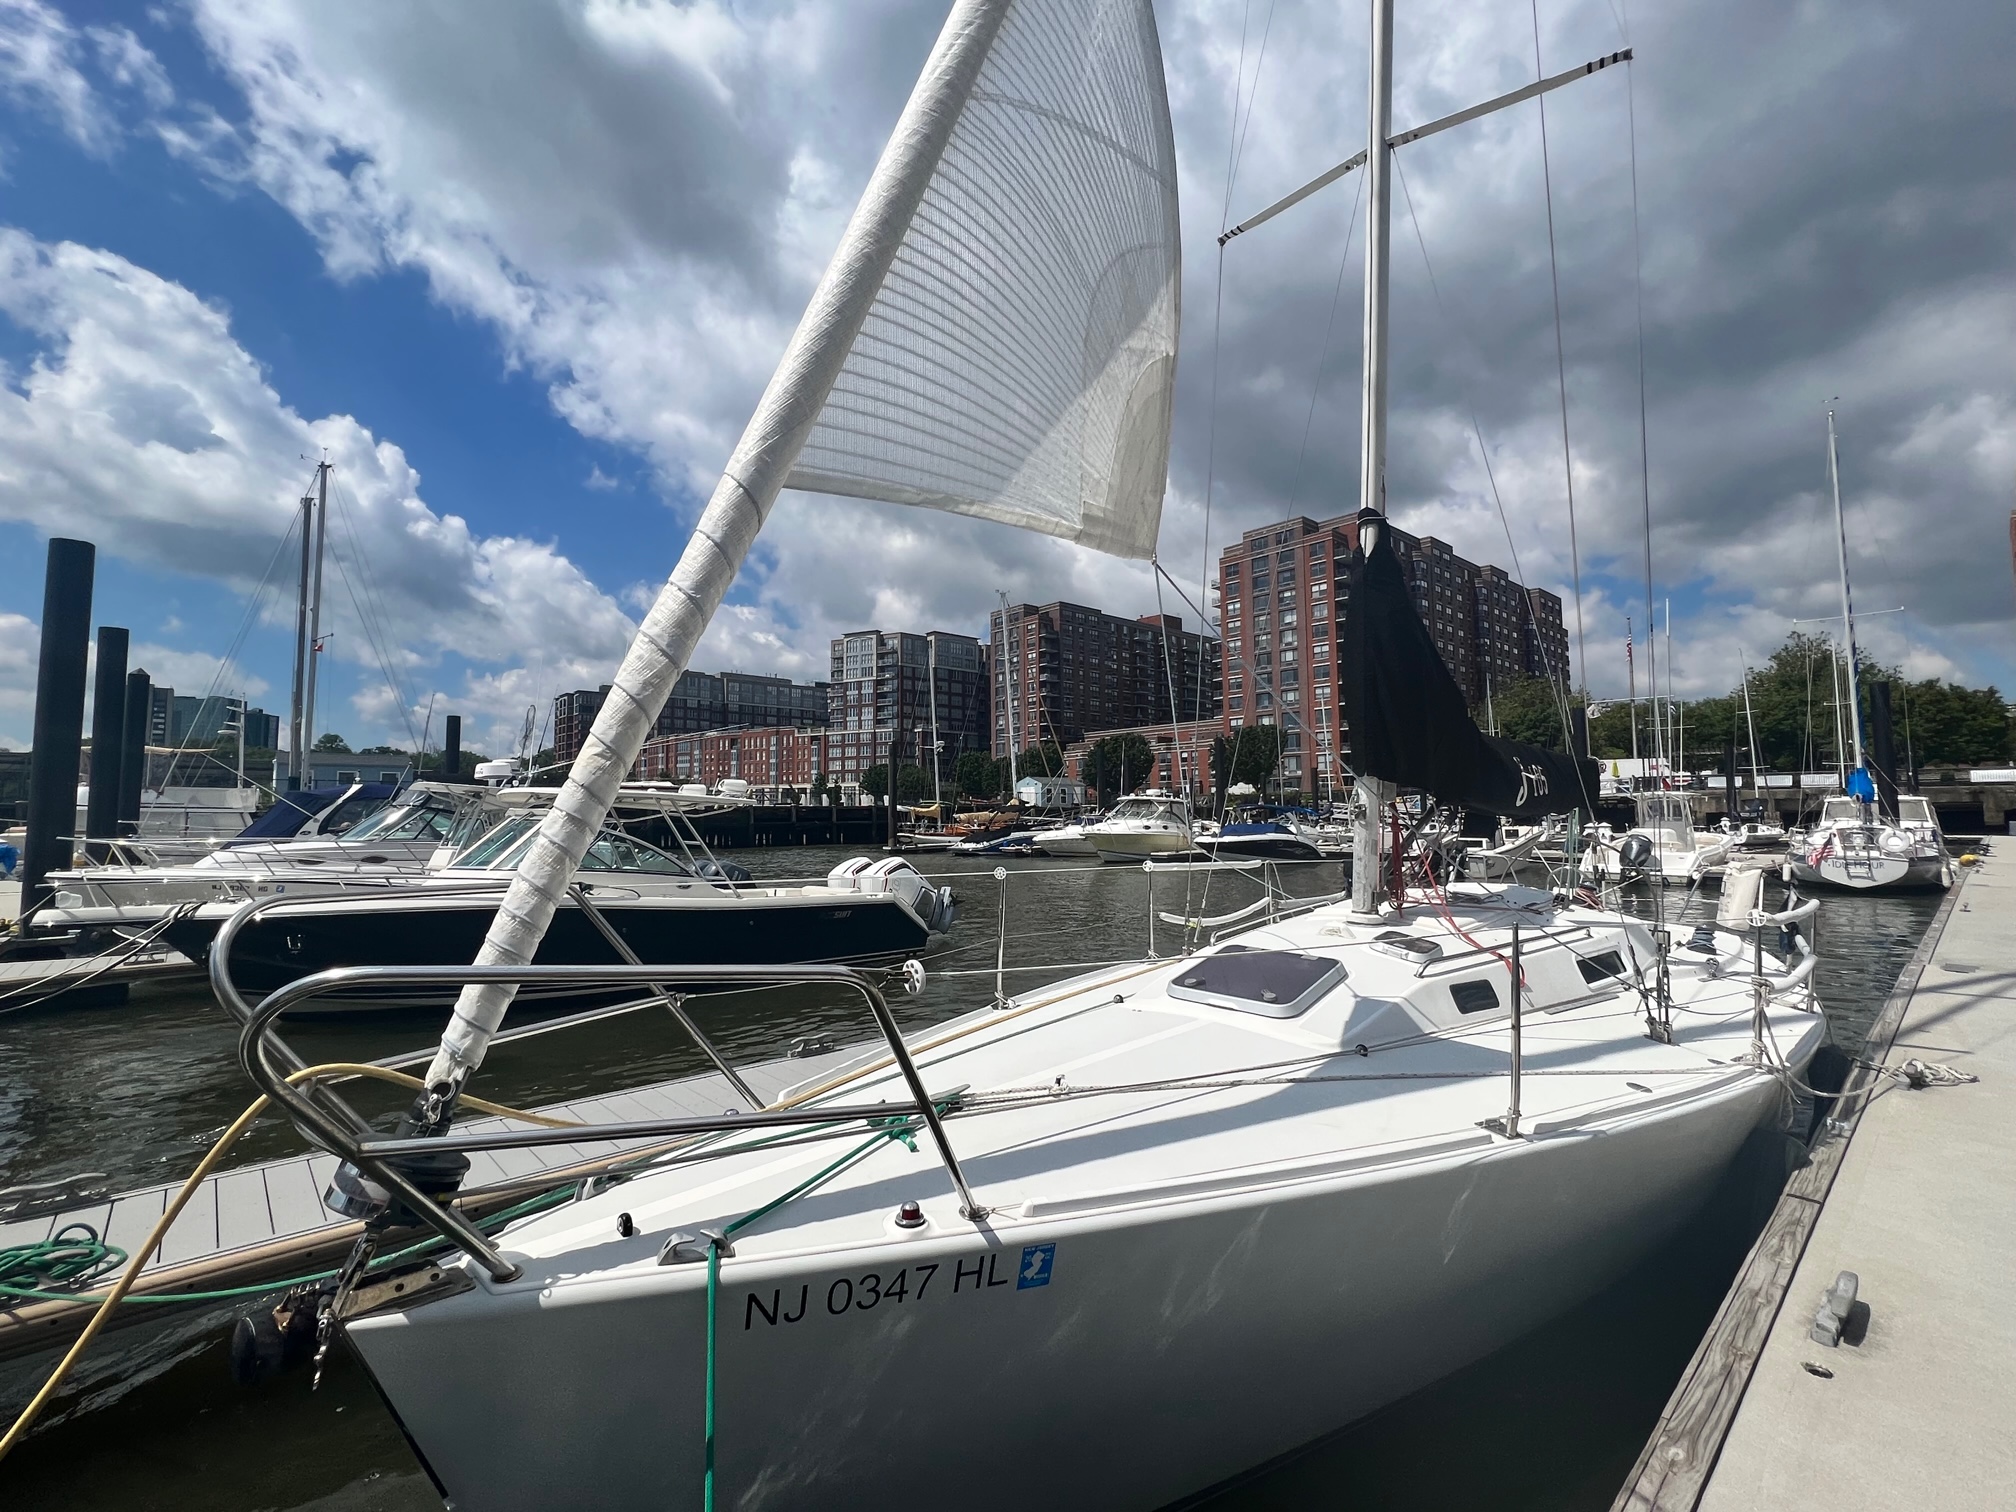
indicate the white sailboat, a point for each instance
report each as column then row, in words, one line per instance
column 1856, row 845
column 1201, row 1210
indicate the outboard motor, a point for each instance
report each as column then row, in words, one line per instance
column 934, row 906
column 1635, row 854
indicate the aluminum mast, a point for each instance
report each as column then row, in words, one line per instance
column 1847, row 601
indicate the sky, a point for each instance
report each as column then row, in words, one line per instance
column 521, row 269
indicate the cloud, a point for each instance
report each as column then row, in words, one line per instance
column 20, row 645
column 47, row 64
column 639, row 197
column 141, row 419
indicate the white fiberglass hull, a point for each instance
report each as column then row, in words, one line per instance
column 1873, row 873
column 1068, row 841
column 1159, row 1351
column 1138, row 844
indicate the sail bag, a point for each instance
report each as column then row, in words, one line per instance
column 1018, row 361
column 1410, row 723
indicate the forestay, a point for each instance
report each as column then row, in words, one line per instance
column 995, row 335
column 1018, row 362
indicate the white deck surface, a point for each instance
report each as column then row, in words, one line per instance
column 1919, row 1414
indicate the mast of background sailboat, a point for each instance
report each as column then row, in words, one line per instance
column 296, row 746
column 315, row 600
column 1013, row 657
column 1373, row 793
column 1847, row 602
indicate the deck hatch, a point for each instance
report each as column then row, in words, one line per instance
column 1604, row 966
column 1272, row 983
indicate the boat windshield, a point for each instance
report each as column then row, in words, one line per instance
column 1141, row 808
column 1916, row 811
column 506, row 836
column 1843, row 809
column 424, row 818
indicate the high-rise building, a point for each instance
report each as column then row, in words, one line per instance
column 699, row 702
column 880, row 683
column 1061, row 670
column 1279, row 604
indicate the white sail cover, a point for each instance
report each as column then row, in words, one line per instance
column 1018, row 362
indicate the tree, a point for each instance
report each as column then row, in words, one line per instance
column 331, row 742
column 875, row 781
column 379, row 750
column 1042, row 760
column 788, row 795
column 819, row 788
column 913, row 784
column 1254, row 755
column 1944, row 723
column 978, row 775
column 1118, row 762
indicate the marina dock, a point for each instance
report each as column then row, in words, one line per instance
column 1912, row 1194
column 266, row 1222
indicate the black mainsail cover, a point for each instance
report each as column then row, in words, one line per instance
column 1410, row 723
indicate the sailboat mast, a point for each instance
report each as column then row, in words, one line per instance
column 296, row 746
column 1012, row 657
column 1847, row 601
column 315, row 599
column 1374, row 794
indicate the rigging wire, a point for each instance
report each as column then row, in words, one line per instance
column 1560, row 359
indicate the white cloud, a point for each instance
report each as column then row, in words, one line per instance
column 143, row 421
column 20, row 645
column 46, row 63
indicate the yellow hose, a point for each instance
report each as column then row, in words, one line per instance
column 174, row 1210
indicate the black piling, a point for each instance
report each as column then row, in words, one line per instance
column 1883, row 746
column 451, row 746
column 133, row 750
column 59, row 717
column 895, row 766
column 108, row 735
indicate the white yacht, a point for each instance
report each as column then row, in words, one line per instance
column 1072, row 839
column 422, row 827
column 1854, row 848
column 1662, row 844
column 1222, row 1205
column 1143, row 825
column 1110, row 1244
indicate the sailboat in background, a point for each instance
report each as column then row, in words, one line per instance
column 1871, row 839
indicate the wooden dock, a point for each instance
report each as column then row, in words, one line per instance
column 86, row 981
column 1912, row 1194
column 266, row 1222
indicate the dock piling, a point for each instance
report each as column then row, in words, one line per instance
column 59, row 717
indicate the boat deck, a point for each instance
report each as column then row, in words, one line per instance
column 1914, row 1405
column 267, row 1222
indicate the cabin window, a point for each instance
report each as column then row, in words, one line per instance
column 1474, row 997
column 1604, row 967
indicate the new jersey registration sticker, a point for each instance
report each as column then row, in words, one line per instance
column 1037, row 1260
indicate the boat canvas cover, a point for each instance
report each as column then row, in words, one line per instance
column 293, row 810
column 1410, row 723
column 1018, row 362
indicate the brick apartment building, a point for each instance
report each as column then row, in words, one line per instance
column 1278, row 607
column 1070, row 670
column 1182, row 755
column 701, row 701
column 779, row 762
column 883, row 680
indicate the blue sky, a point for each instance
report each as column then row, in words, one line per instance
column 523, row 274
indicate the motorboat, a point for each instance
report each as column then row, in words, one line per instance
column 424, row 826
column 1144, row 824
column 1175, row 1169
column 1276, row 839
column 1662, row 845
column 1071, row 839
column 671, row 903
column 1511, row 847
column 1854, row 847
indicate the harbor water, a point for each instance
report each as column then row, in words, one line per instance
column 139, row 1091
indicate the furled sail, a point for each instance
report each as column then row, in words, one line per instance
column 995, row 334
column 1410, row 723
column 1018, row 362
